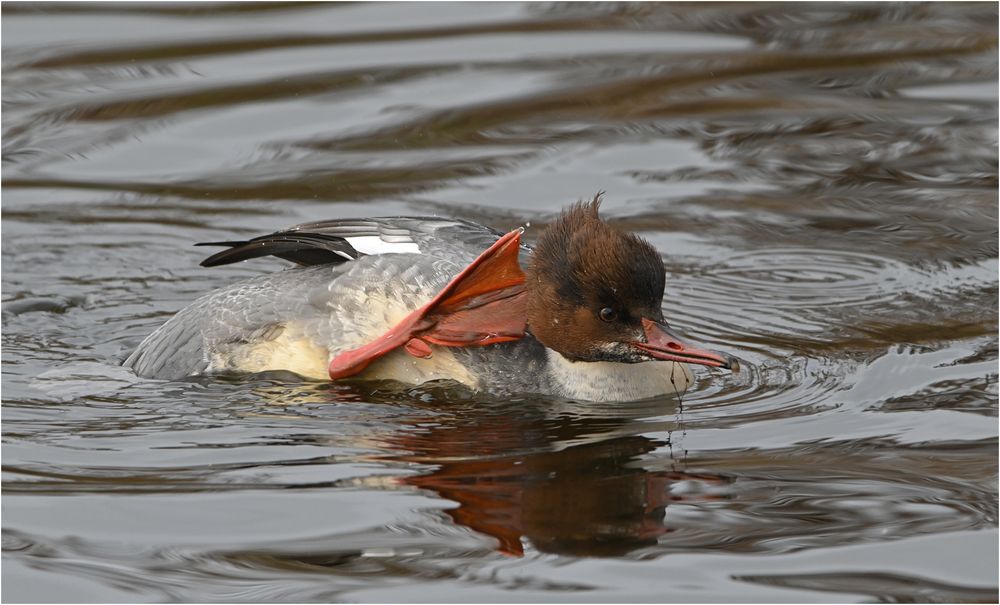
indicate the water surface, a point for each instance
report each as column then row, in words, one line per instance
column 821, row 181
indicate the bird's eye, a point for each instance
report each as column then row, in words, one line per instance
column 608, row 314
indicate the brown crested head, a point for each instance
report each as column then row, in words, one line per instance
column 590, row 286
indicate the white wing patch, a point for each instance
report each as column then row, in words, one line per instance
column 373, row 244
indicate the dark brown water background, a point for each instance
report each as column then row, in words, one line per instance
column 821, row 180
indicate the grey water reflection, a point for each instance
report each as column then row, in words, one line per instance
column 821, row 180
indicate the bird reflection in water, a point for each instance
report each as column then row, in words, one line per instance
column 568, row 484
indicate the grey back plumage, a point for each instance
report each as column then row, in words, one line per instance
column 237, row 313
column 337, row 305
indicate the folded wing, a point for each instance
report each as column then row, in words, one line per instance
column 343, row 240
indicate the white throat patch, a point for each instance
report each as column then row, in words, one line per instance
column 610, row 381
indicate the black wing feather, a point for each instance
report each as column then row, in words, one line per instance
column 299, row 247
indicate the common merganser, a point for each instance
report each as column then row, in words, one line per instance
column 416, row 299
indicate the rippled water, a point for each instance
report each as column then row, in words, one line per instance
column 822, row 183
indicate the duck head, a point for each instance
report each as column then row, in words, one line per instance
column 595, row 294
